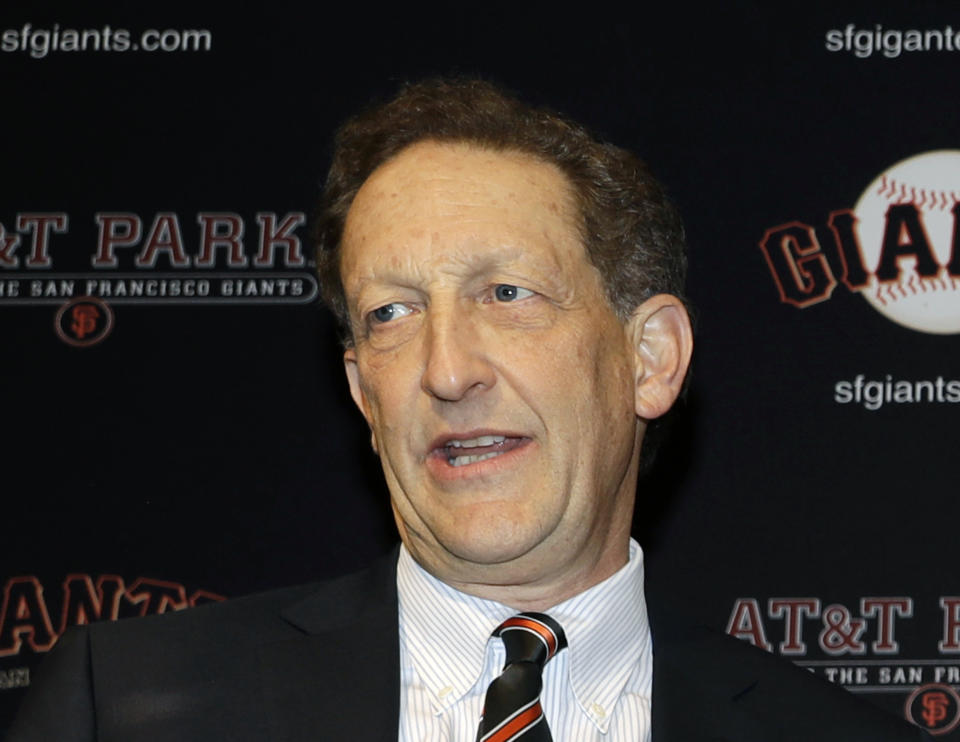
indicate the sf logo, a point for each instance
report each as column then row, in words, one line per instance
column 935, row 707
column 84, row 321
column 935, row 704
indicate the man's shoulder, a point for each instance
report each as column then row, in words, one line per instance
column 705, row 677
column 230, row 670
column 258, row 618
column 255, row 616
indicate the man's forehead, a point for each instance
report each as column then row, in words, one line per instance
column 472, row 169
column 459, row 206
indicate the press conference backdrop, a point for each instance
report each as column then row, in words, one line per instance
column 175, row 423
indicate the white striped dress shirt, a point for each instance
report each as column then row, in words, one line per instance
column 599, row 688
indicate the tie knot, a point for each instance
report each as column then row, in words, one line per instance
column 531, row 637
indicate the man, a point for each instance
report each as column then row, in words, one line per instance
column 510, row 295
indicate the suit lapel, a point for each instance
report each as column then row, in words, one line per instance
column 709, row 686
column 697, row 690
column 340, row 679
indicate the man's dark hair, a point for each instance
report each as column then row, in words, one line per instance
column 632, row 233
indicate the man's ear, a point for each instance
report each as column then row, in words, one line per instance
column 356, row 391
column 662, row 339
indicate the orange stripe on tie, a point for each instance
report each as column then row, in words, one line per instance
column 517, row 725
column 541, row 629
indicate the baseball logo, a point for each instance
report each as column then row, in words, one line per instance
column 934, row 707
column 908, row 221
column 83, row 321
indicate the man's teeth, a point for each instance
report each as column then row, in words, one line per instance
column 464, row 460
column 483, row 440
column 478, row 442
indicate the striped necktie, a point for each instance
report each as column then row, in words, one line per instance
column 512, row 711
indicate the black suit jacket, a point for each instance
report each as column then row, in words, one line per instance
column 321, row 662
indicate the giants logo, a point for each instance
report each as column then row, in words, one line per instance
column 899, row 247
column 84, row 321
column 935, row 707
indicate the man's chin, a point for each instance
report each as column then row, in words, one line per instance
column 493, row 558
column 481, row 540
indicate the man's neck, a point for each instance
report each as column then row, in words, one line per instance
column 524, row 589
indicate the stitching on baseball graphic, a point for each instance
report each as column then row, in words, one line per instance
column 899, row 247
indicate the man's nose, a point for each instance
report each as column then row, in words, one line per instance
column 456, row 364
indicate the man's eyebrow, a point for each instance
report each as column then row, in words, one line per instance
column 493, row 257
column 483, row 258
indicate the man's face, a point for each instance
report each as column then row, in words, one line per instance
column 497, row 381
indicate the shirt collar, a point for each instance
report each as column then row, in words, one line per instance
column 444, row 630
column 608, row 635
column 446, row 633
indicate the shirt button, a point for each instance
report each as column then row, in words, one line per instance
column 598, row 711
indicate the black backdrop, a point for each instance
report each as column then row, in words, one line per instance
column 204, row 445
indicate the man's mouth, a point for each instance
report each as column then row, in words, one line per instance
column 465, row 451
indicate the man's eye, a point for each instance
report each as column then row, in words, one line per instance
column 506, row 292
column 388, row 312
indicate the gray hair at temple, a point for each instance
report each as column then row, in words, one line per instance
column 631, row 232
